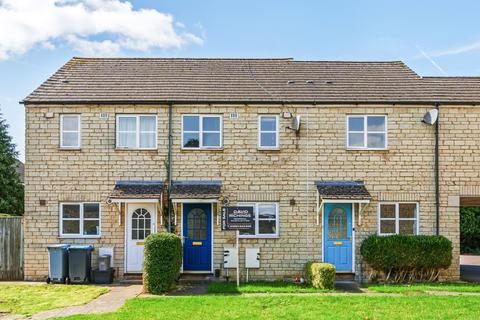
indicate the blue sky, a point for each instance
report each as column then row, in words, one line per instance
column 432, row 37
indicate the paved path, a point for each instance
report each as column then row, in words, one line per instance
column 107, row 302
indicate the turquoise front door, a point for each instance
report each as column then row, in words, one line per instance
column 197, row 232
column 338, row 235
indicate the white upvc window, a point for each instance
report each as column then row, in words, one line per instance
column 367, row 132
column 202, row 132
column 80, row 219
column 266, row 220
column 137, row 131
column 268, row 129
column 70, row 131
column 398, row 218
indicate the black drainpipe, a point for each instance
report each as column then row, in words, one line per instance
column 169, row 171
column 437, row 172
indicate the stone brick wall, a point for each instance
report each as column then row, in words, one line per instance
column 404, row 172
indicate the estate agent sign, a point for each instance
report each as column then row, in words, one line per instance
column 237, row 218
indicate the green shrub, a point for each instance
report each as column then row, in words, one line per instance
column 407, row 258
column 163, row 259
column 320, row 275
column 470, row 230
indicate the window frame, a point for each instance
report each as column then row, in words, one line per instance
column 81, row 220
column 258, row 235
column 79, row 132
column 365, row 131
column 277, row 132
column 397, row 218
column 137, row 131
column 201, row 132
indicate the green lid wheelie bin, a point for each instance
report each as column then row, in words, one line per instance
column 57, row 263
column 79, row 263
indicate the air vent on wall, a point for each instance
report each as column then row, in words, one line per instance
column 104, row 115
column 233, row 115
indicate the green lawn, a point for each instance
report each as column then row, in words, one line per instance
column 260, row 287
column 32, row 298
column 423, row 287
column 296, row 307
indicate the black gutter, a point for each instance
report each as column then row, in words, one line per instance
column 262, row 102
column 169, row 171
column 437, row 171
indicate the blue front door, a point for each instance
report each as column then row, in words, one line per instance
column 197, row 232
column 338, row 235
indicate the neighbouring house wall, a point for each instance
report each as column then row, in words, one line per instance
column 404, row 172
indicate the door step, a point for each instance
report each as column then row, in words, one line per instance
column 132, row 278
column 196, row 277
column 345, row 276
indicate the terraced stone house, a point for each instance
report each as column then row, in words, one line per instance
column 325, row 152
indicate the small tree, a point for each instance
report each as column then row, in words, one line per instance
column 163, row 259
column 11, row 187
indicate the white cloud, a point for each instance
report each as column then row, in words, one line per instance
column 430, row 59
column 28, row 23
column 457, row 50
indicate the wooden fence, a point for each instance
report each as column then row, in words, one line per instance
column 11, row 245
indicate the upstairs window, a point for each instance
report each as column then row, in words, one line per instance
column 367, row 132
column 80, row 220
column 398, row 218
column 201, row 132
column 137, row 131
column 70, row 131
column 268, row 132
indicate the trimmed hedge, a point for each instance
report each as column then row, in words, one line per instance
column 163, row 259
column 320, row 275
column 407, row 258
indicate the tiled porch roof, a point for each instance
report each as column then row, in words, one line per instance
column 192, row 189
column 342, row 190
column 125, row 189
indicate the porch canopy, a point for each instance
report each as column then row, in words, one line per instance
column 130, row 191
column 342, row 192
column 183, row 191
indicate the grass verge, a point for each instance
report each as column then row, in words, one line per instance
column 28, row 299
column 423, row 287
column 260, row 287
column 296, row 307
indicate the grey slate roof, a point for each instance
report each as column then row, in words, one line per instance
column 194, row 189
column 125, row 189
column 162, row 80
column 343, row 190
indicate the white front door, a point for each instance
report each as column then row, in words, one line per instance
column 140, row 223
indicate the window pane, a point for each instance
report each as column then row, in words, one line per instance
column 91, row 210
column 268, row 139
column 355, row 140
column 268, row 124
column 407, row 210
column 71, row 227
column 376, row 140
column 70, row 139
column 355, row 124
column 126, row 139
column 211, row 124
column 407, row 226
column 211, row 139
column 91, row 227
column 376, row 123
column 70, row 123
column 190, row 123
column 387, row 211
column 148, row 123
column 191, row 140
column 267, row 227
column 71, row 211
column 387, row 226
column 127, row 123
column 147, row 140
column 266, row 211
